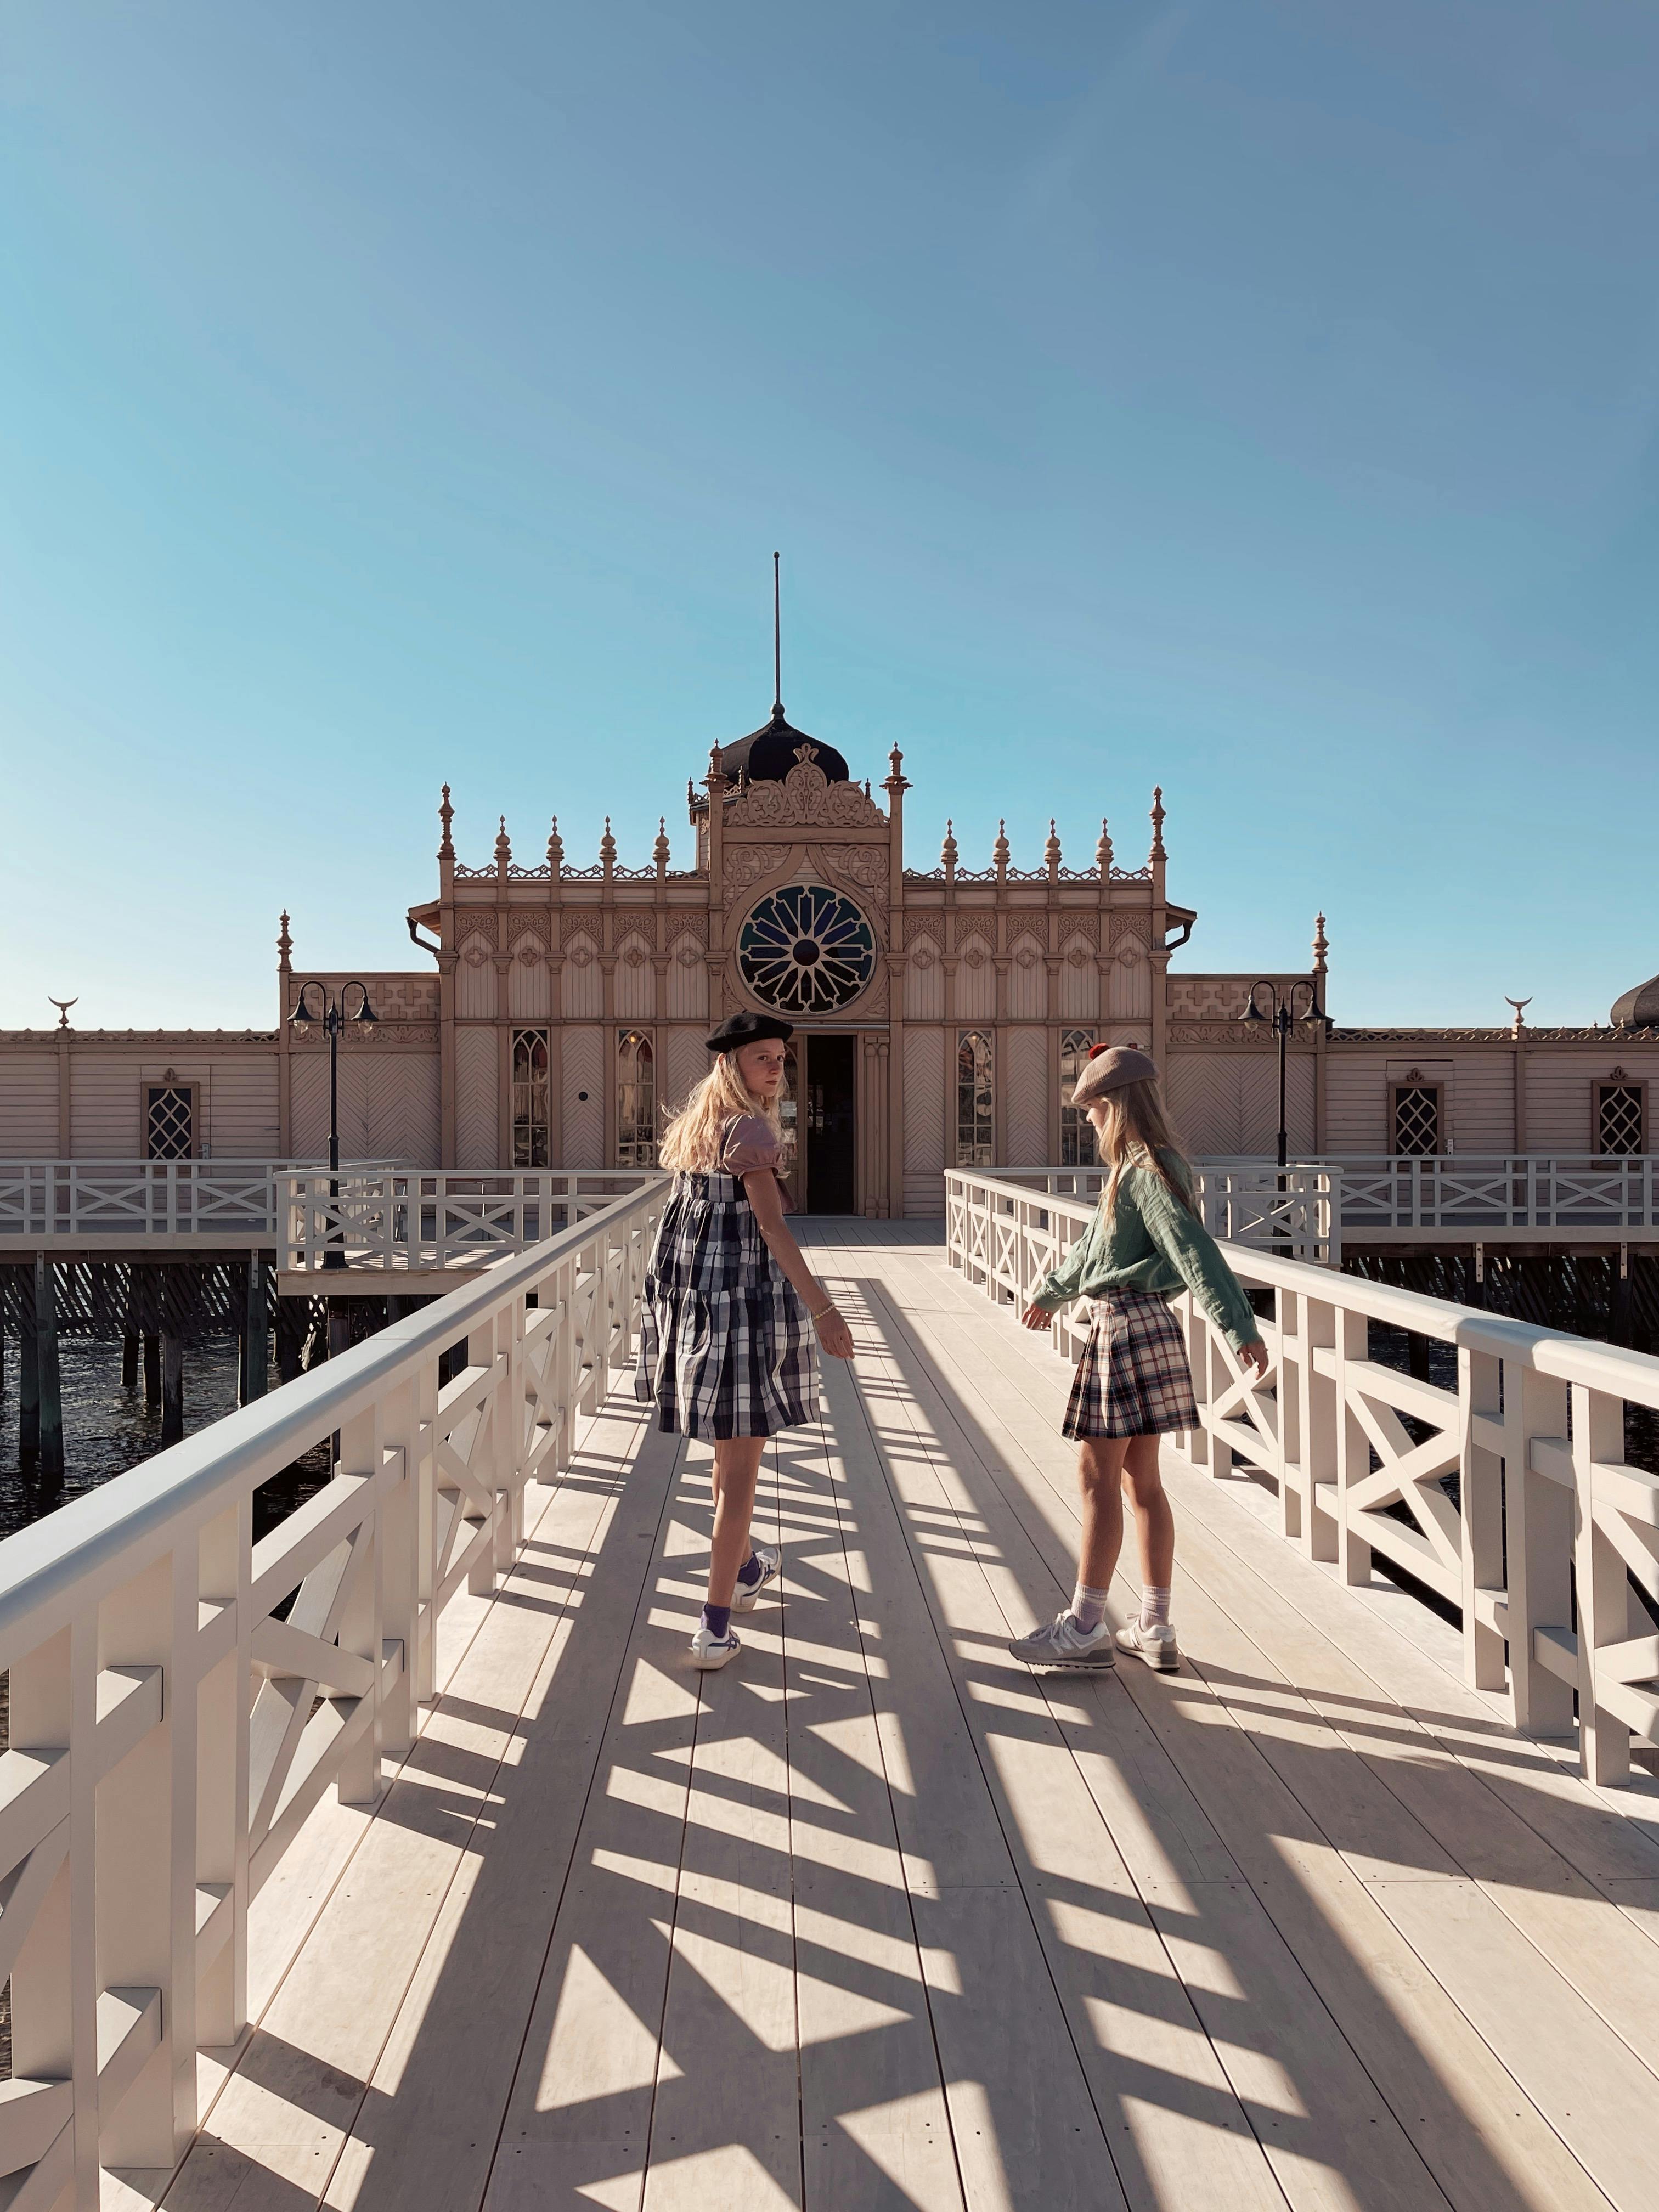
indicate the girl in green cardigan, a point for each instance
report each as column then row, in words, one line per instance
column 1133, row 1383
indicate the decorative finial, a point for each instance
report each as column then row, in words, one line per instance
column 1000, row 850
column 555, row 849
column 1104, row 851
column 284, row 946
column 1320, row 947
column 503, row 845
column 1520, row 1021
column 947, row 850
column 895, row 770
column 608, row 846
column 446, row 815
column 777, row 645
column 1051, row 850
column 63, row 1007
column 659, row 850
column 1158, row 851
column 715, row 777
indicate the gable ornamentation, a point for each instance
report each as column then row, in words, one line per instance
column 805, row 796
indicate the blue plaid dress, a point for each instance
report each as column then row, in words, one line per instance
column 726, row 1346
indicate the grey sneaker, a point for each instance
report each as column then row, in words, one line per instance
column 1063, row 1644
column 771, row 1559
column 708, row 1651
column 1156, row 1645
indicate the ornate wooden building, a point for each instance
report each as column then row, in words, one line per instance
column 558, row 1011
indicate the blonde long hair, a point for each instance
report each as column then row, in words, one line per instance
column 695, row 1136
column 1137, row 1132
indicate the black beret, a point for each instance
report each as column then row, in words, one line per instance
column 744, row 1028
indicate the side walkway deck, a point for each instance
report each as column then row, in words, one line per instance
column 873, row 1919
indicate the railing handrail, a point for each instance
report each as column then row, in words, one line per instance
column 72, row 1546
column 1611, row 1367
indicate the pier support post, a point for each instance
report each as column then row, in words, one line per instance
column 256, row 1333
column 152, row 1373
column 172, row 1386
column 50, row 1390
column 28, row 1381
column 129, row 1363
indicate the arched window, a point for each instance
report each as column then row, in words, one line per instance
column 636, row 1101
column 529, row 1119
column 975, row 1101
column 1076, row 1140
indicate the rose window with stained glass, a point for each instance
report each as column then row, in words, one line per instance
column 806, row 950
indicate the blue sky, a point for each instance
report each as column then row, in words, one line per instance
column 1259, row 399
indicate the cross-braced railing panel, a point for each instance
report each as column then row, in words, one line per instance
column 1509, row 1496
column 405, row 1220
column 181, row 1696
column 118, row 1201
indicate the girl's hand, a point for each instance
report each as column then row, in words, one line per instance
column 834, row 1337
column 1035, row 1317
column 1254, row 1356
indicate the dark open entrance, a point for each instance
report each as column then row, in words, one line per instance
column 818, row 1097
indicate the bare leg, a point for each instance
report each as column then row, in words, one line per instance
column 1099, row 1474
column 1143, row 1485
column 737, row 1469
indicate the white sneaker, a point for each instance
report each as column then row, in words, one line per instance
column 1063, row 1644
column 1156, row 1645
column 708, row 1651
column 771, row 1560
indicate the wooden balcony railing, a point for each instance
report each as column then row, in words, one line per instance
column 1509, row 1496
column 182, row 1696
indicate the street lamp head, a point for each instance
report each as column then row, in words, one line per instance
column 364, row 1012
column 1252, row 1011
column 302, row 1017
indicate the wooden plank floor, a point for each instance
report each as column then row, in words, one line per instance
column 873, row 1918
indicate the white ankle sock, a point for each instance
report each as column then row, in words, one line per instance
column 1154, row 1608
column 1088, row 1607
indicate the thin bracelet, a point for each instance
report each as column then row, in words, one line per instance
column 823, row 1314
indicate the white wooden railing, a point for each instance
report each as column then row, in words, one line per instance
column 115, row 1202
column 402, row 1219
column 1550, row 1525
column 181, row 1696
column 1499, row 1196
column 1295, row 1210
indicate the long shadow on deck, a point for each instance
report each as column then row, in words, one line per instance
column 799, row 1932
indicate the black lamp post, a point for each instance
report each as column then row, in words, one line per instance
column 1285, row 1015
column 337, row 1011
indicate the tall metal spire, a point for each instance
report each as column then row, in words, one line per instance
column 777, row 645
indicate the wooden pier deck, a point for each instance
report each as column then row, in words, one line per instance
column 873, row 1918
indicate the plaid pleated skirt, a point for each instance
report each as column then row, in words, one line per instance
column 726, row 1346
column 1132, row 1379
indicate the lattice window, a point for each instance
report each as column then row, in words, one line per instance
column 1417, row 1118
column 1619, row 1117
column 170, row 1122
column 636, row 1101
column 975, row 1101
column 1078, row 1148
column 530, row 1096
column 806, row 950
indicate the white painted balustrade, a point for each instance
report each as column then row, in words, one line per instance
column 182, row 1696
column 1296, row 1210
column 1550, row 1527
column 407, row 1221
column 1501, row 1197
column 111, row 1204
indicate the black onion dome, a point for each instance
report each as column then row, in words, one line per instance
column 1638, row 1009
column 767, row 755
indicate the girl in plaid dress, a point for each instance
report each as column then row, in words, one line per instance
column 731, row 1308
column 1133, row 1384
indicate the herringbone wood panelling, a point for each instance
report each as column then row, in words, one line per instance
column 1028, row 981
column 688, row 982
column 976, row 981
column 1026, row 1072
column 401, row 1121
column 474, row 980
column 584, row 986
column 924, row 1101
column 586, row 1068
column 477, row 1134
column 685, row 1061
column 1227, row 1103
column 308, row 1105
column 1079, row 982
column 637, row 980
